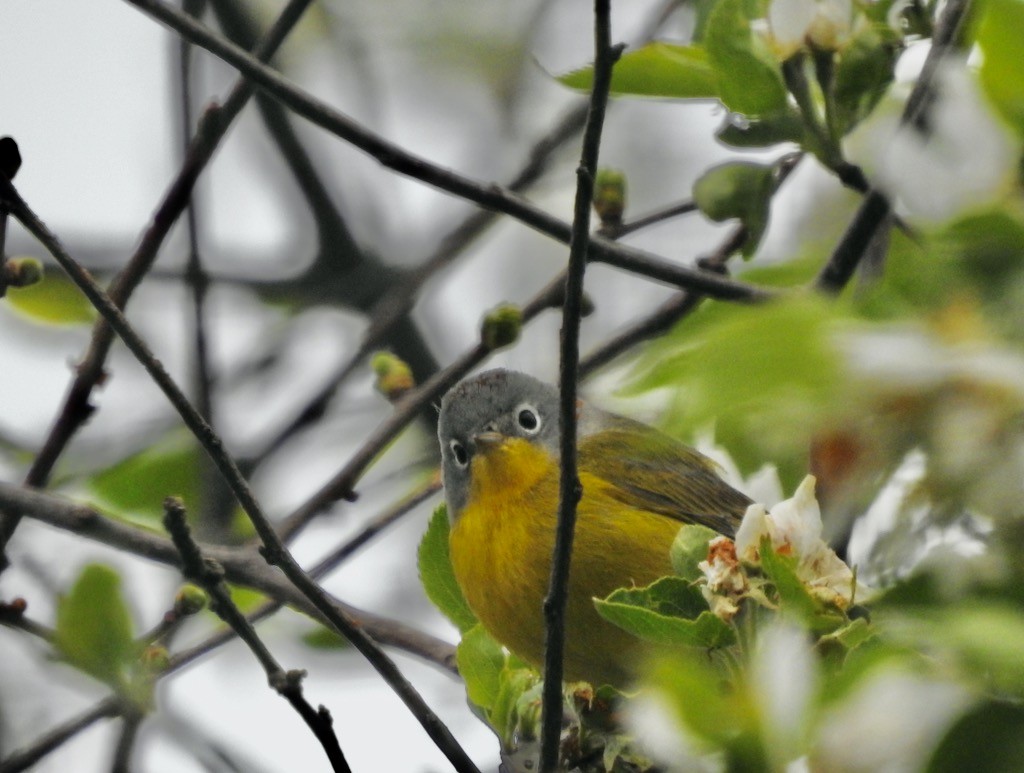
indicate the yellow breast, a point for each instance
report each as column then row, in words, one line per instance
column 501, row 549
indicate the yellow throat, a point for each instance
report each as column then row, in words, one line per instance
column 501, row 548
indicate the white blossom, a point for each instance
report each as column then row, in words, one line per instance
column 957, row 156
column 891, row 722
column 793, row 24
column 794, row 528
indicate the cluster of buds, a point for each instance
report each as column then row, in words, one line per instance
column 394, row 376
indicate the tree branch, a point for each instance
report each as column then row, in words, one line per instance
column 569, row 489
column 342, row 484
column 393, row 157
column 876, row 207
column 241, row 566
column 90, row 372
column 666, row 315
column 210, row 576
column 24, row 759
column 274, row 550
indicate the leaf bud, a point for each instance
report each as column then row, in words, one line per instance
column 394, row 376
column 501, row 326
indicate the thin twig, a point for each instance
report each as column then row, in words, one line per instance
column 666, row 315
column 569, row 490
column 130, row 723
column 12, row 615
column 377, row 525
column 210, row 576
column 406, row 409
column 195, row 274
column 876, row 208
column 394, row 157
column 24, row 759
column 242, row 566
column 90, row 372
column 617, row 231
column 274, row 550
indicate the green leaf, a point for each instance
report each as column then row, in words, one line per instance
column 670, row 612
column 689, row 548
column 137, row 486
column 985, row 636
column 94, row 628
column 481, row 661
column 749, row 79
column 794, row 597
column 246, row 599
column 738, row 189
column 847, row 638
column 656, row 70
column 56, row 301
column 437, row 576
column 862, row 76
column 764, row 131
column 518, row 688
column 781, row 570
column 324, row 638
column 988, row 739
column 766, row 377
column 1002, row 46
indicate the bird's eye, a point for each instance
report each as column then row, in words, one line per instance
column 528, row 419
column 459, row 453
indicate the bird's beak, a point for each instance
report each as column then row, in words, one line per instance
column 486, row 442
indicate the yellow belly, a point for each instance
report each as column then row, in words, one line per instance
column 501, row 549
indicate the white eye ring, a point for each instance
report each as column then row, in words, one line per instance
column 528, row 419
column 459, row 454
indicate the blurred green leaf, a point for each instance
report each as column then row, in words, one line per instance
column 849, row 636
column 988, row 246
column 56, row 301
column 987, row 637
column 670, row 611
column 246, row 599
column 437, row 576
column 94, row 628
column 695, row 689
column 764, row 131
column 749, row 78
column 324, row 638
column 988, row 739
column 766, row 378
column 689, row 548
column 1002, row 47
column 862, row 75
column 137, row 486
column 481, row 661
column 738, row 189
column 656, row 70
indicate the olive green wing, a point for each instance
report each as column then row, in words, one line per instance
column 649, row 470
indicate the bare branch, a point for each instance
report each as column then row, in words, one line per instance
column 90, row 372
column 569, row 489
column 875, row 210
column 25, row 758
column 241, row 566
column 392, row 156
column 210, row 576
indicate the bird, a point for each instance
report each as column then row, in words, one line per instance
column 499, row 440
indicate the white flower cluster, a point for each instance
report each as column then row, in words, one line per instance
column 794, row 529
